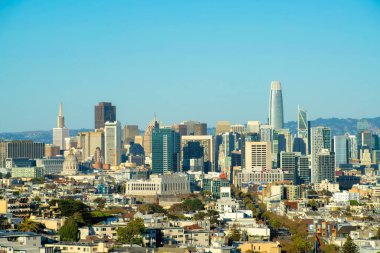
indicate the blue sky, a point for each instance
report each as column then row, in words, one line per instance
column 197, row 59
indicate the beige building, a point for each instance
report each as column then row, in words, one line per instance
column 78, row 247
column 89, row 141
column 168, row 184
column 222, row 127
column 19, row 207
column 206, row 141
column 261, row 247
column 258, row 154
column 50, row 223
column 148, row 137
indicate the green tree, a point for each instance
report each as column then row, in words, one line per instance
column 193, row 205
column 150, row 208
column 132, row 232
column 8, row 175
column 69, row 231
column 349, row 246
column 31, row 226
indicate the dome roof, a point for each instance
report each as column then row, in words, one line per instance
column 71, row 158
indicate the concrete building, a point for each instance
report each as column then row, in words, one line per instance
column 325, row 166
column 51, row 166
column 169, row 184
column 129, row 133
column 20, row 149
column 222, row 127
column 148, row 137
column 104, row 112
column 27, row 172
column 320, row 139
column 112, row 143
column 89, row 142
column 258, row 154
column 257, row 175
column 51, row 150
column 253, row 127
column 18, row 207
column 78, row 247
column 61, row 132
column 345, row 196
column 207, row 154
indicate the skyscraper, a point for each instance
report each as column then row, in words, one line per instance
column 222, row 127
column 303, row 128
column 60, row 132
column 129, row 133
column 341, row 150
column 112, row 143
column 148, row 136
column 325, row 166
column 165, row 150
column 190, row 151
column 276, row 112
column 320, row 139
column 104, row 112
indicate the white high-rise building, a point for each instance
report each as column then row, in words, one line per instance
column 320, row 139
column 112, row 143
column 258, row 154
column 60, row 133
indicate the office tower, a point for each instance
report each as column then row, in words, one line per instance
column 366, row 139
column 195, row 127
column 148, row 136
column 129, row 133
column 302, row 123
column 258, row 154
column 139, row 139
column 309, row 138
column 60, row 133
column 299, row 145
column 365, row 156
column 325, row 166
column 303, row 129
column 376, row 156
column 180, row 128
column 341, row 150
column 192, row 157
column 253, row 127
column 276, row 113
column 229, row 142
column 304, row 170
column 20, row 149
column 352, row 147
column 289, row 164
column 136, row 154
column 238, row 129
column 191, row 150
column 52, row 150
column 236, row 158
column 89, row 142
column 112, row 143
column 222, row 127
column 200, row 129
column 375, row 145
column 248, row 137
column 104, row 112
column 266, row 133
column 320, row 139
column 165, row 150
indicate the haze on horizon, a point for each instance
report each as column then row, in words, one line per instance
column 199, row 60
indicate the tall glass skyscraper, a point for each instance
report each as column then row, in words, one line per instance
column 320, row 140
column 276, row 112
column 341, row 150
column 165, row 150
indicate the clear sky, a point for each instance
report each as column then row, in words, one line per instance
column 195, row 59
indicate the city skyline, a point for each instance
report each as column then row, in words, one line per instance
column 148, row 57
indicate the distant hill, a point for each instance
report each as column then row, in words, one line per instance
column 338, row 127
column 45, row 136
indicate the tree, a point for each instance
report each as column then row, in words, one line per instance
column 69, row 231
column 193, row 205
column 150, row 208
column 8, row 175
column 31, row 226
column 100, row 202
column 349, row 246
column 234, row 234
column 131, row 232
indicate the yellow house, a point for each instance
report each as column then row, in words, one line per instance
column 262, row 247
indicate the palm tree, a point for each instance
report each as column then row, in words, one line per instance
column 31, row 226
